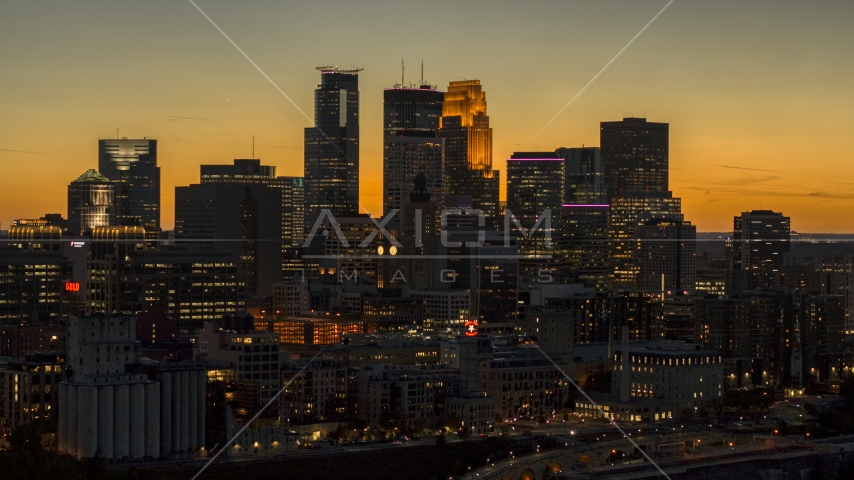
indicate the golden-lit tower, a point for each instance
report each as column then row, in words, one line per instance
column 466, row 100
column 468, row 148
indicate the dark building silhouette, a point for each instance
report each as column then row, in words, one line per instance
column 245, row 219
column 332, row 146
column 760, row 241
column 584, row 176
column 635, row 155
column 132, row 165
column 411, row 145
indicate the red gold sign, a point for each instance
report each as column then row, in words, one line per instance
column 72, row 286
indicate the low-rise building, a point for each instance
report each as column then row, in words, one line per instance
column 29, row 393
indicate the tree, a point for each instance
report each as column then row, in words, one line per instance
column 27, row 437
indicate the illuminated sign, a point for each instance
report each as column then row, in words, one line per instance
column 72, row 286
column 471, row 328
column 76, row 244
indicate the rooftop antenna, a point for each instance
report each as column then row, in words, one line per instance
column 422, row 72
column 401, row 72
column 253, row 145
column 117, row 133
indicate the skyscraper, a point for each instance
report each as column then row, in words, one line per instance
column 760, row 240
column 332, row 146
column 245, row 219
column 535, row 189
column 91, row 202
column 667, row 255
column 629, row 209
column 585, row 176
column 132, row 165
column 583, row 245
column 468, row 147
column 635, row 155
column 411, row 146
column 250, row 171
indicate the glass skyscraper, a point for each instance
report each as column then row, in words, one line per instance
column 411, row 146
column 132, row 165
column 332, row 146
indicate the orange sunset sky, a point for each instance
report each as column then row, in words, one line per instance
column 759, row 94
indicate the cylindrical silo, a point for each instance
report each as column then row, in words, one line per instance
column 200, row 433
column 137, row 421
column 87, row 428
column 72, row 419
column 152, row 419
column 192, row 410
column 185, row 410
column 176, row 411
column 62, row 426
column 121, row 432
column 105, row 421
column 165, row 413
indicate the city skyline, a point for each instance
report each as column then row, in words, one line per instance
column 743, row 120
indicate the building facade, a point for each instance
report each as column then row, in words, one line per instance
column 332, row 146
column 131, row 164
column 91, row 203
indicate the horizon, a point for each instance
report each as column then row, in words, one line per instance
column 739, row 105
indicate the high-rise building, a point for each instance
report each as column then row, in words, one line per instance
column 468, row 147
column 32, row 282
column 91, row 203
column 585, row 176
column 629, row 209
column 132, row 165
column 635, row 155
column 190, row 285
column 245, row 219
column 535, row 190
column 667, row 255
column 583, row 245
column 760, row 240
column 250, row 171
column 411, row 146
column 332, row 146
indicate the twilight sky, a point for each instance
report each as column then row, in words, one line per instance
column 759, row 94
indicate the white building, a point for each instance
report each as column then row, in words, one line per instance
column 107, row 412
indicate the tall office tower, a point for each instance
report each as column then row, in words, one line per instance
column 629, row 209
column 585, row 176
column 132, row 166
column 468, row 147
column 91, row 203
column 245, row 219
column 760, row 240
column 332, row 146
column 667, row 255
column 583, row 245
column 535, row 189
column 411, row 146
column 250, row 171
column 635, row 155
